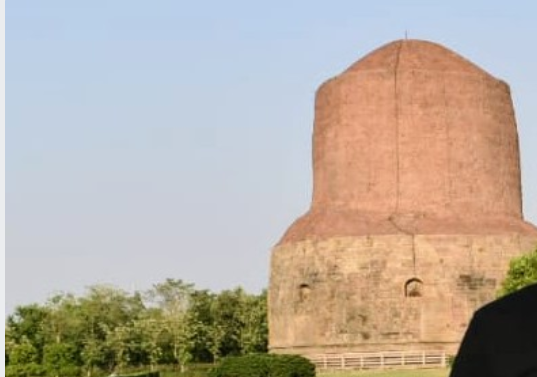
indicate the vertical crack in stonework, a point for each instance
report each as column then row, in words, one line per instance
column 396, row 95
column 449, row 163
column 397, row 98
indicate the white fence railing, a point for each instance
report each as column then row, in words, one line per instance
column 381, row 360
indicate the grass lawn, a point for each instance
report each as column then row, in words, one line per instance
column 390, row 373
column 443, row 372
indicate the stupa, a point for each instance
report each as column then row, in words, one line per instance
column 416, row 209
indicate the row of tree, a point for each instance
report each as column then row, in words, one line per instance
column 109, row 329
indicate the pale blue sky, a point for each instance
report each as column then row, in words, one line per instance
column 155, row 139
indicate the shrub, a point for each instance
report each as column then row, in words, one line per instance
column 264, row 365
column 522, row 272
column 242, row 366
column 24, row 370
column 291, row 366
column 23, row 354
column 60, row 359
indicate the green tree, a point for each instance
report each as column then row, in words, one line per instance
column 63, row 322
column 24, row 353
column 216, row 335
column 23, row 360
column 242, row 318
column 254, row 327
column 61, row 359
column 119, row 340
column 26, row 325
column 63, row 327
column 206, row 342
column 173, row 298
column 150, row 329
column 228, row 319
column 93, row 354
column 103, row 309
column 522, row 272
column 232, row 322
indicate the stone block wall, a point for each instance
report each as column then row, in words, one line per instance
column 381, row 293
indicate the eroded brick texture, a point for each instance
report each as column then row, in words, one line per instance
column 416, row 207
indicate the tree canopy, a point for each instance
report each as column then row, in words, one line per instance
column 108, row 329
column 522, row 272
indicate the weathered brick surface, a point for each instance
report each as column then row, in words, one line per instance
column 416, row 207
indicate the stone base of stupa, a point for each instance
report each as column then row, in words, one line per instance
column 384, row 292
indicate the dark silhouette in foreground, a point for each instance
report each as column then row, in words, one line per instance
column 501, row 340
